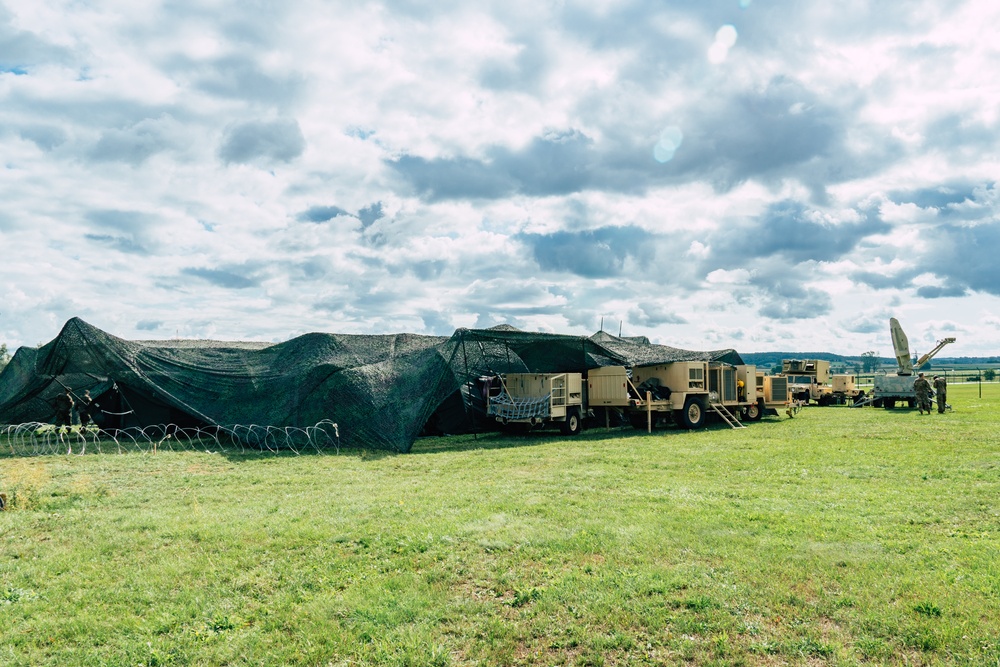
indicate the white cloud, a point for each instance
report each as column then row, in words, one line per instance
column 258, row 171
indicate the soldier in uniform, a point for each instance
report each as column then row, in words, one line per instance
column 923, row 389
column 64, row 410
column 941, row 390
column 84, row 408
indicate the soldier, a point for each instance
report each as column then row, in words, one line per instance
column 84, row 408
column 941, row 389
column 923, row 389
column 64, row 410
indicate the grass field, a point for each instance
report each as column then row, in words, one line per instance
column 838, row 537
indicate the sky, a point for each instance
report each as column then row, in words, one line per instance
column 757, row 174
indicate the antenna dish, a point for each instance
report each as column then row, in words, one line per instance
column 901, row 346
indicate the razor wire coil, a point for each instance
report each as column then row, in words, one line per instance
column 40, row 439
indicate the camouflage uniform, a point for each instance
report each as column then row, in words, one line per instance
column 64, row 409
column 83, row 409
column 941, row 389
column 923, row 389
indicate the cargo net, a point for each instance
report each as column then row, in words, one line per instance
column 506, row 407
column 38, row 439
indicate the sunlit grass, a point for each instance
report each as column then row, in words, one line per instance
column 841, row 536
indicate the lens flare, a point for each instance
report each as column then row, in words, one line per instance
column 725, row 39
column 670, row 140
column 726, row 35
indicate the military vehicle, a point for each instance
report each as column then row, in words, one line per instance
column 686, row 393
column 538, row 399
column 892, row 388
column 682, row 392
column 810, row 380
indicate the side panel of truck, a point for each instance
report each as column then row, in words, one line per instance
column 608, row 386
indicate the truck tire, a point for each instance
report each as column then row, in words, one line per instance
column 693, row 414
column 755, row 411
column 888, row 403
column 573, row 424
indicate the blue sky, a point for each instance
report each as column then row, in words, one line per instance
column 763, row 175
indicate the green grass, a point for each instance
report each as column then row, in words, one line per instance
column 839, row 537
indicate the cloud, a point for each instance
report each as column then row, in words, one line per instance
column 868, row 323
column 22, row 50
column 558, row 163
column 149, row 325
column 777, row 131
column 596, row 253
column 875, row 280
column 222, row 278
column 806, row 305
column 937, row 196
column 135, row 144
column 417, row 167
column 240, row 78
column 46, row 137
column 123, row 244
column 273, row 141
column 524, row 70
column 782, row 130
column 371, row 214
column 784, row 295
column 130, row 232
column 453, row 178
column 795, row 232
column 650, row 314
column 938, row 292
column 965, row 257
column 320, row 213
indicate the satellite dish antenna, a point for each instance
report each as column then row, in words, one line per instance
column 901, row 346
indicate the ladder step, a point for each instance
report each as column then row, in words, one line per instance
column 727, row 416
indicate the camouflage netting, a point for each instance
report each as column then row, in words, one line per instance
column 383, row 391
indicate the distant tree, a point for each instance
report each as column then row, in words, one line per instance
column 870, row 362
column 989, row 375
column 776, row 369
column 857, row 368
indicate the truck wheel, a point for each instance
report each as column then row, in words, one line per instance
column 912, row 402
column 888, row 403
column 572, row 425
column 754, row 412
column 693, row 414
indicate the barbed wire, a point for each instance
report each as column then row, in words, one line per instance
column 38, row 439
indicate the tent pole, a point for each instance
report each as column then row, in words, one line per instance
column 472, row 415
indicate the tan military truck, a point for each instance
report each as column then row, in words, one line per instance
column 808, row 380
column 684, row 393
column 539, row 400
column 844, row 390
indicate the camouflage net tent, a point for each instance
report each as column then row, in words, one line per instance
column 383, row 391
